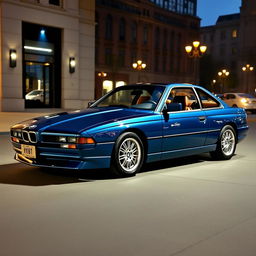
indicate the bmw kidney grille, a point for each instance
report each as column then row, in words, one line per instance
column 29, row 136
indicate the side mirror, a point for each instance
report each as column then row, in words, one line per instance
column 173, row 107
column 90, row 103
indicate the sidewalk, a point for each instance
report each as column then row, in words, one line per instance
column 7, row 119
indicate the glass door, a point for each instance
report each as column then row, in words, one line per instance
column 38, row 84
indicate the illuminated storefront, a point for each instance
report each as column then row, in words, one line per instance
column 41, row 65
column 47, row 54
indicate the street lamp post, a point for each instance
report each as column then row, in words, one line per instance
column 139, row 66
column 101, row 75
column 213, row 85
column 247, row 69
column 196, row 51
column 223, row 75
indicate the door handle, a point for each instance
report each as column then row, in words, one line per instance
column 202, row 118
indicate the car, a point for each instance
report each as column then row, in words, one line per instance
column 37, row 95
column 241, row 100
column 130, row 126
column 219, row 95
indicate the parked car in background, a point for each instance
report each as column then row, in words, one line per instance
column 35, row 95
column 219, row 95
column 130, row 126
column 241, row 100
column 38, row 95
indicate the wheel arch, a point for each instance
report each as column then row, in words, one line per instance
column 234, row 126
column 141, row 135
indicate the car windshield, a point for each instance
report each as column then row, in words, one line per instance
column 35, row 92
column 133, row 96
column 245, row 95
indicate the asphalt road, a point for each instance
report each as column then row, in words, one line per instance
column 188, row 207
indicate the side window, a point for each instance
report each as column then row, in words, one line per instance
column 182, row 99
column 207, row 100
column 230, row 96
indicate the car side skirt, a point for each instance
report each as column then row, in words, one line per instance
column 180, row 153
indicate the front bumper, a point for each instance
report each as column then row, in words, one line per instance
column 249, row 106
column 242, row 132
column 92, row 158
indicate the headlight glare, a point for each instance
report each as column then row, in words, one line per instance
column 243, row 100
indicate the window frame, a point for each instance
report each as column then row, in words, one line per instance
column 210, row 96
column 186, row 110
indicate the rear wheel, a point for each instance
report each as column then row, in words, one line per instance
column 128, row 155
column 226, row 144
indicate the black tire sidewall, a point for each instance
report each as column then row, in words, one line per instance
column 117, row 168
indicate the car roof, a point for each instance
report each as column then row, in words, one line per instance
column 166, row 84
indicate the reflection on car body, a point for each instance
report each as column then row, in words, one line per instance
column 130, row 126
column 39, row 95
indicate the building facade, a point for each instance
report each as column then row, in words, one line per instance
column 247, row 46
column 231, row 45
column 154, row 32
column 179, row 6
column 47, row 54
column 223, row 42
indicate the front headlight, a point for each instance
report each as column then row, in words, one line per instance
column 72, row 139
column 243, row 100
column 62, row 139
column 76, row 140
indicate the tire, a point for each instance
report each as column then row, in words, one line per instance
column 226, row 144
column 128, row 155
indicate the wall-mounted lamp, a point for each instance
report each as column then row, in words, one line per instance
column 72, row 65
column 13, row 58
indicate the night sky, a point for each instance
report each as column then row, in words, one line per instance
column 210, row 10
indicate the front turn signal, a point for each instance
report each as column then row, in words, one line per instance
column 83, row 140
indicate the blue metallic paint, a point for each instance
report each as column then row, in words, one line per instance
column 178, row 134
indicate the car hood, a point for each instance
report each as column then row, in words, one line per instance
column 80, row 120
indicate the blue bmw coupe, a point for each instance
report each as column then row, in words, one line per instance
column 130, row 126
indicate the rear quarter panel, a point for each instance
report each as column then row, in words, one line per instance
column 218, row 118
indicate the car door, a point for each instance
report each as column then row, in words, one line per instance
column 184, row 129
column 215, row 120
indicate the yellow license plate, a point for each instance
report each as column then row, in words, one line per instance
column 28, row 151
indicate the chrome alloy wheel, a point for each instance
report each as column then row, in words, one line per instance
column 129, row 155
column 228, row 142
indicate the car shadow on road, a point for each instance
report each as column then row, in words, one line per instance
column 19, row 174
column 176, row 162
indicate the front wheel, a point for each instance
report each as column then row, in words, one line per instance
column 128, row 155
column 226, row 144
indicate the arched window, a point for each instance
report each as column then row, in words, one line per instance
column 122, row 29
column 108, row 32
column 134, row 32
column 145, row 34
column 165, row 39
column 157, row 38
